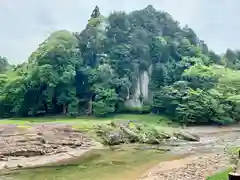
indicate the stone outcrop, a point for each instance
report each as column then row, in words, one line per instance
column 141, row 90
column 39, row 140
column 133, row 132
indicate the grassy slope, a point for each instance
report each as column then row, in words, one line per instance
column 89, row 122
column 151, row 118
column 221, row 175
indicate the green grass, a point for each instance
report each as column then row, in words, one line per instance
column 150, row 118
column 98, row 165
column 85, row 123
column 234, row 150
column 221, row 175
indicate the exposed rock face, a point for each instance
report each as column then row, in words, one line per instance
column 141, row 90
column 144, row 82
column 135, row 101
column 39, row 140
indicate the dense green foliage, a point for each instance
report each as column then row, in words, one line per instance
column 96, row 71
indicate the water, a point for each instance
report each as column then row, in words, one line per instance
column 124, row 162
column 119, row 164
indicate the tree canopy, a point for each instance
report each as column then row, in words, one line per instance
column 142, row 61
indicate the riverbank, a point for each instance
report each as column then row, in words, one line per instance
column 70, row 149
column 35, row 142
column 193, row 167
column 133, row 162
column 205, row 160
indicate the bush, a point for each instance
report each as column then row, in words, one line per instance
column 102, row 109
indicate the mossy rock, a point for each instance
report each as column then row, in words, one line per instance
column 152, row 136
column 130, row 132
column 113, row 138
column 130, row 135
column 103, row 129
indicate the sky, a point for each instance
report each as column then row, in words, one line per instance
column 26, row 23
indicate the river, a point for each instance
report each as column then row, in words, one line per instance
column 135, row 161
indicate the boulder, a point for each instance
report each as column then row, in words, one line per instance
column 20, row 166
column 112, row 138
column 116, row 133
column 186, row 136
column 129, row 135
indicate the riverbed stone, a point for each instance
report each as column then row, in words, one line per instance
column 39, row 140
column 135, row 132
column 186, row 136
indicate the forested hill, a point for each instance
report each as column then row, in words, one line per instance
column 141, row 61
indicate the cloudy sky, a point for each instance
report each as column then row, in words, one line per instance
column 26, row 23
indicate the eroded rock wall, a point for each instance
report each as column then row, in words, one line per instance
column 141, row 90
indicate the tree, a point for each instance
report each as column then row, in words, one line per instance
column 4, row 65
column 91, row 48
column 167, row 99
column 105, row 101
column 201, row 76
column 97, row 72
column 232, row 59
column 204, row 107
column 96, row 13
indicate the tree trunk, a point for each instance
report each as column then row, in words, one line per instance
column 89, row 111
column 233, row 176
column 64, row 109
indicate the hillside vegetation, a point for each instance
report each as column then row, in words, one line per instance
column 138, row 62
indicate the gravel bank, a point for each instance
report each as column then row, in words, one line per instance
column 208, row 157
column 193, row 167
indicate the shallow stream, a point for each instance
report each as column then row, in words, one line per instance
column 124, row 162
column 104, row 164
